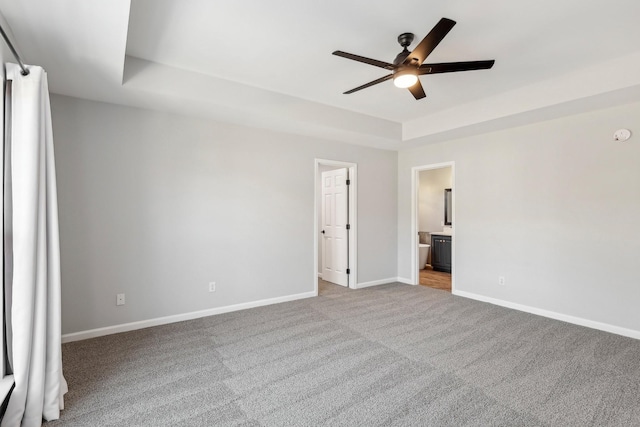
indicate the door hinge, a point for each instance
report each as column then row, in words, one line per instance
column 348, row 226
column 348, row 182
column 348, row 271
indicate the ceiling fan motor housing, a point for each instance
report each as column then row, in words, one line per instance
column 404, row 69
column 405, row 39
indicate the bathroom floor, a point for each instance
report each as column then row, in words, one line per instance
column 435, row 279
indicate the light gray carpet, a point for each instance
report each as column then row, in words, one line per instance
column 392, row 355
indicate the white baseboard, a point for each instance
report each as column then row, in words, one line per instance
column 404, row 280
column 553, row 315
column 125, row 327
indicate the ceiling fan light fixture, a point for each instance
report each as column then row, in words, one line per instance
column 405, row 78
column 407, row 66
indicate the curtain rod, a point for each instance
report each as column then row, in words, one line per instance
column 14, row 51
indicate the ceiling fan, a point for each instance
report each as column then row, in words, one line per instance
column 409, row 65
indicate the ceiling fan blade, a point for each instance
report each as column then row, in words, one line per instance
column 430, row 42
column 417, row 90
column 364, row 86
column 451, row 67
column 359, row 58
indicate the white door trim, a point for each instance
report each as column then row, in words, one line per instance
column 415, row 184
column 353, row 219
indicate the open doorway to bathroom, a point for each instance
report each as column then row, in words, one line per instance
column 433, row 225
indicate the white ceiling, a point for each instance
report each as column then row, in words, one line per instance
column 269, row 63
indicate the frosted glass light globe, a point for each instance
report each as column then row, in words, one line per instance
column 405, row 80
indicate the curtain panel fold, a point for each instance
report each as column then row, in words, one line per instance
column 35, row 305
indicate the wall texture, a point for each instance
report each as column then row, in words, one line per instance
column 554, row 207
column 156, row 206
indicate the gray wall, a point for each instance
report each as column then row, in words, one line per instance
column 156, row 206
column 554, row 207
column 431, row 198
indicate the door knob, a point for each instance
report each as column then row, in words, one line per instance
column 322, row 231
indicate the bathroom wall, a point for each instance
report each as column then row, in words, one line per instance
column 431, row 198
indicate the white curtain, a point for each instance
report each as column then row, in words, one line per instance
column 36, row 354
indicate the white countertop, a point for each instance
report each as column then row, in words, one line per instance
column 442, row 233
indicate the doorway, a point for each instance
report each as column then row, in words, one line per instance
column 334, row 224
column 346, row 261
column 432, row 224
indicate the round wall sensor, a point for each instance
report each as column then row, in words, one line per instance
column 622, row 135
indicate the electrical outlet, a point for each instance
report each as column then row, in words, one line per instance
column 501, row 280
column 212, row 286
column 120, row 299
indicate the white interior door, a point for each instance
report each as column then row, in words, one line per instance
column 335, row 193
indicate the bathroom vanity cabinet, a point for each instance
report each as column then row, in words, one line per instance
column 441, row 252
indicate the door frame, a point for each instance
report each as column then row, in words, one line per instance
column 415, row 250
column 353, row 219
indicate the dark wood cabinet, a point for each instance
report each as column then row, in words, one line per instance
column 441, row 253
